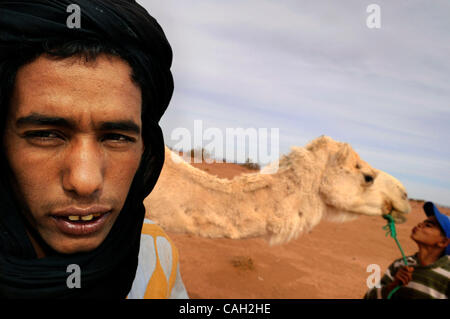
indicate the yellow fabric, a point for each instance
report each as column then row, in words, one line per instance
column 158, row 287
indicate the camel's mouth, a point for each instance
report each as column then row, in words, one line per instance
column 397, row 216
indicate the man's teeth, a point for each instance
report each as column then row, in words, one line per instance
column 85, row 218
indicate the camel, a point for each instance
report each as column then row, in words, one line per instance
column 325, row 179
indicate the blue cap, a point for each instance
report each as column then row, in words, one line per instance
column 443, row 220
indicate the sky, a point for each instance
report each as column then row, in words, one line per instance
column 312, row 68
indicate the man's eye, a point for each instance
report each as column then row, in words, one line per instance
column 117, row 138
column 43, row 137
column 41, row 134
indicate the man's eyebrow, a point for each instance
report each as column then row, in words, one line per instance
column 430, row 221
column 39, row 119
column 126, row 126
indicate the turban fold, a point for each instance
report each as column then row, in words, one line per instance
column 109, row 270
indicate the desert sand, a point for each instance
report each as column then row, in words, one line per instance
column 330, row 262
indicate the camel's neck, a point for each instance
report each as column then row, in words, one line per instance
column 278, row 205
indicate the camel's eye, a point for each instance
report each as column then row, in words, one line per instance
column 357, row 166
column 368, row 179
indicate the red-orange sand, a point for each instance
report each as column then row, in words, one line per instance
column 329, row 262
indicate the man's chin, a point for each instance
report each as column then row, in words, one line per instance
column 66, row 244
column 74, row 246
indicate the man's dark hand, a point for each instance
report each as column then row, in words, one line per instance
column 403, row 275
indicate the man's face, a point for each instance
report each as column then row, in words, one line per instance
column 73, row 141
column 428, row 232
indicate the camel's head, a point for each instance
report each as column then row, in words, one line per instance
column 350, row 187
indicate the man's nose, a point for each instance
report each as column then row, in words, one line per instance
column 84, row 169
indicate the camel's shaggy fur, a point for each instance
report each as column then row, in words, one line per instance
column 324, row 179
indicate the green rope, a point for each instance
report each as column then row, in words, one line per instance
column 390, row 227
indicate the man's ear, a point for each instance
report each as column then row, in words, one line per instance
column 444, row 242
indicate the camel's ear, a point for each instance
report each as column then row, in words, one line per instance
column 342, row 155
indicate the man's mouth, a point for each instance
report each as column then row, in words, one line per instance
column 75, row 218
column 81, row 221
